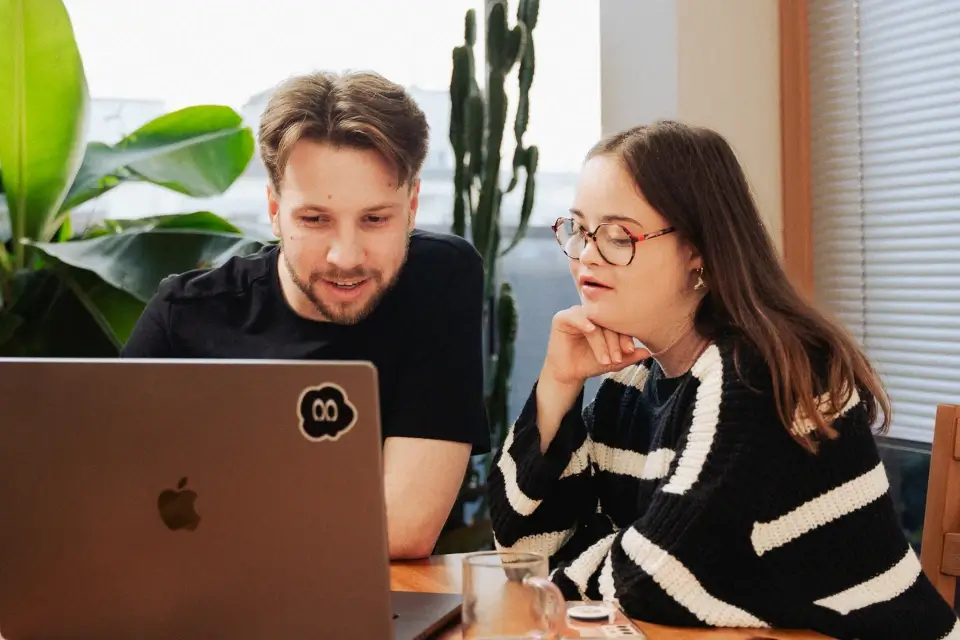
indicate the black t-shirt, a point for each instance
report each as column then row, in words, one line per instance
column 666, row 398
column 424, row 337
column 661, row 389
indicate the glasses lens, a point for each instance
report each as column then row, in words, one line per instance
column 570, row 237
column 615, row 244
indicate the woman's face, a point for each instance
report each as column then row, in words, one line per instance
column 652, row 295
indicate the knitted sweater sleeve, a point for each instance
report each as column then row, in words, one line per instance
column 832, row 540
column 675, row 563
column 746, row 529
column 750, row 532
column 545, row 502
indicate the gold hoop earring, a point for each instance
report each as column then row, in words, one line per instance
column 700, row 283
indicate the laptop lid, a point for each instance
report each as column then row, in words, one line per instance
column 191, row 499
column 424, row 616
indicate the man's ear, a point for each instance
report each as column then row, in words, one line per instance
column 414, row 202
column 273, row 208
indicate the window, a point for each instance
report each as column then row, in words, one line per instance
column 149, row 57
column 885, row 148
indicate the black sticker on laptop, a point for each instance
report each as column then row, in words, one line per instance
column 325, row 412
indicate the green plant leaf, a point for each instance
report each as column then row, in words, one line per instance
column 526, row 206
column 197, row 220
column 5, row 231
column 9, row 323
column 4, row 216
column 43, row 108
column 115, row 311
column 120, row 309
column 55, row 323
column 198, row 151
column 136, row 260
column 64, row 230
column 69, row 312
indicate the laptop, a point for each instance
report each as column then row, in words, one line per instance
column 197, row 499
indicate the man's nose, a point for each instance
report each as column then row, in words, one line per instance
column 345, row 252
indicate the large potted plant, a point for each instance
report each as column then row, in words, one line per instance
column 478, row 120
column 67, row 294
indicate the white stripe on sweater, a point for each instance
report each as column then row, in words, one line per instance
column 587, row 563
column 625, row 462
column 546, row 543
column 682, row 585
column 882, row 588
column 803, row 425
column 708, row 369
column 834, row 504
column 633, row 376
column 519, row 501
column 606, row 585
column 579, row 461
column 954, row 632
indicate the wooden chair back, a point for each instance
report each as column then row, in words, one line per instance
column 940, row 548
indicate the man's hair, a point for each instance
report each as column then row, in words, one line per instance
column 361, row 110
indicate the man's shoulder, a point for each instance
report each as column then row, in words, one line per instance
column 234, row 278
column 441, row 253
column 442, row 277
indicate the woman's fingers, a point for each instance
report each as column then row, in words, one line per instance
column 632, row 354
column 574, row 321
column 598, row 344
column 638, row 355
column 613, row 345
column 611, row 350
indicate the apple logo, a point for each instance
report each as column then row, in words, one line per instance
column 178, row 508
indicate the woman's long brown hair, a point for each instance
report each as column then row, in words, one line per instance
column 692, row 177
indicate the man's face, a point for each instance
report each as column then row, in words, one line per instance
column 343, row 222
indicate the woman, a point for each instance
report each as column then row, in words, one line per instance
column 725, row 475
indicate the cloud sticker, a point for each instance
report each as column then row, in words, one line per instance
column 325, row 412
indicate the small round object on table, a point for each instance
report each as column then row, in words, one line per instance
column 589, row 612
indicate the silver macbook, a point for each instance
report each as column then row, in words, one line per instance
column 196, row 499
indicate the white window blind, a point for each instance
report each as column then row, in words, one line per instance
column 885, row 151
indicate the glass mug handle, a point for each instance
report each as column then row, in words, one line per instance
column 550, row 604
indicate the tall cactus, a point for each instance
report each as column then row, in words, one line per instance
column 477, row 123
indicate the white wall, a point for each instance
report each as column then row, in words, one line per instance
column 704, row 62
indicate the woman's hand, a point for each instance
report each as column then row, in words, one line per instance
column 579, row 349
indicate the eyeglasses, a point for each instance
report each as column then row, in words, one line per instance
column 616, row 244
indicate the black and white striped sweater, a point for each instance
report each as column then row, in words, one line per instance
column 702, row 511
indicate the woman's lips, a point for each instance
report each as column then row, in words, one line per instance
column 593, row 290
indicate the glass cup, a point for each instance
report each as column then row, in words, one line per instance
column 507, row 595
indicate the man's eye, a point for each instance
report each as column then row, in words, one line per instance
column 377, row 219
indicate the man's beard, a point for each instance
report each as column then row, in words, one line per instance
column 341, row 313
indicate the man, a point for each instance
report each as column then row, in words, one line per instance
column 351, row 279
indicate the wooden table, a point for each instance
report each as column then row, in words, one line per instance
column 441, row 574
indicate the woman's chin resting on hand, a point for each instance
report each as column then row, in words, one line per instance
column 726, row 473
